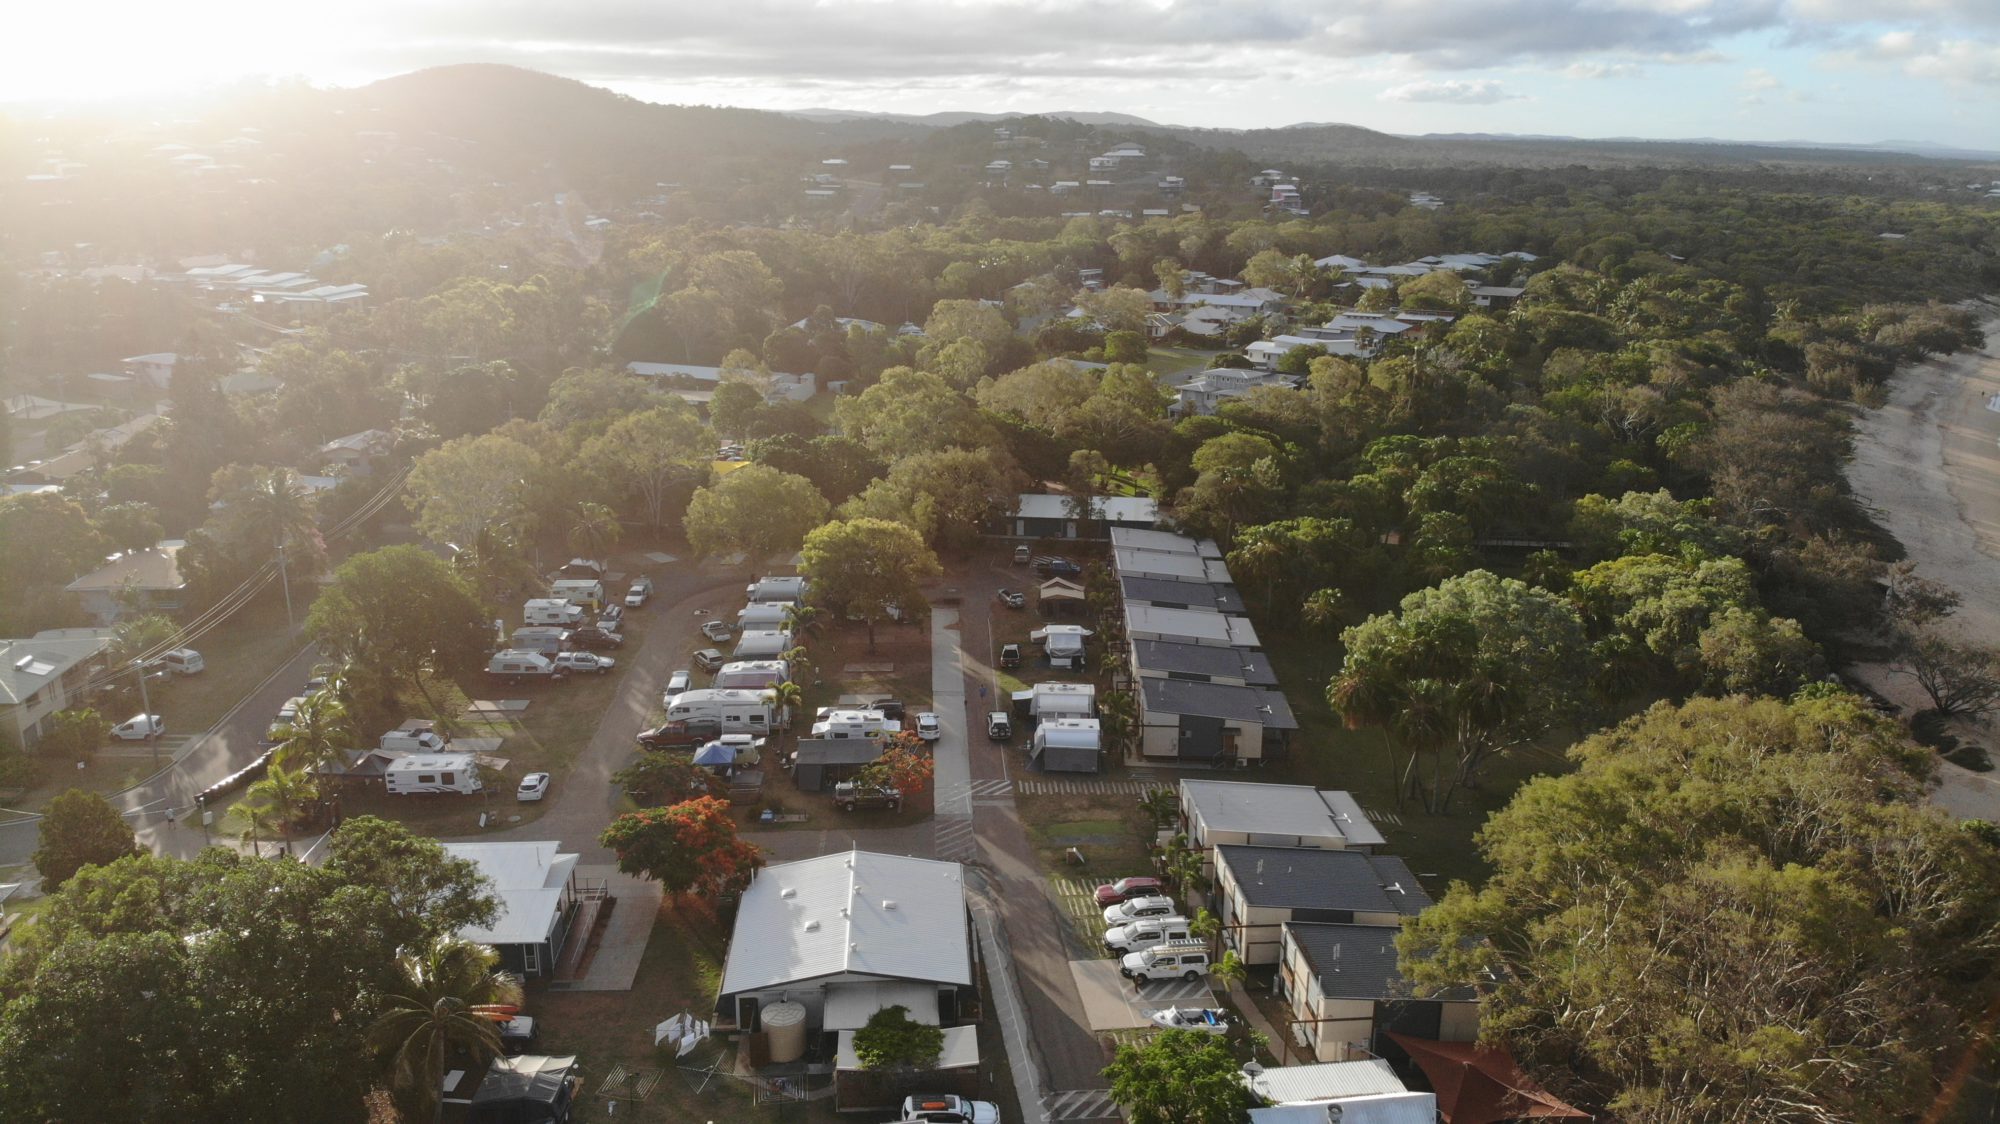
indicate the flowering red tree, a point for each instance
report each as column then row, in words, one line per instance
column 905, row 765
column 688, row 848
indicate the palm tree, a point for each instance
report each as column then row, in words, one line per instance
column 1160, row 803
column 797, row 663
column 277, row 507
column 785, row 698
column 801, row 619
column 594, row 529
column 1230, row 969
column 317, row 732
column 281, row 799
column 135, row 636
column 433, row 1012
column 1207, row 926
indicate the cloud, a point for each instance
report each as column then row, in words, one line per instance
column 1482, row 91
column 1968, row 64
column 1599, row 70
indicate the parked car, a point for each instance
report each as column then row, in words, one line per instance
column 1133, row 910
column 848, row 796
column 929, row 726
column 708, row 659
column 584, row 661
column 1021, row 554
column 891, row 709
column 517, row 1035
column 679, row 735
column 1185, row 960
column 1013, row 599
column 946, row 1108
column 642, row 588
column 1144, row 934
column 1052, row 566
column 1125, row 889
column 1208, row 1020
column 999, row 727
column 180, row 661
column 612, row 618
column 534, row 786
column 139, row 727
column 1010, row 655
column 591, row 636
column 679, row 681
column 717, row 631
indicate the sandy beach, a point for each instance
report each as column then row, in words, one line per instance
column 1928, row 465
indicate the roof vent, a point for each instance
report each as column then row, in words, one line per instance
column 1395, row 888
column 812, row 926
column 888, row 903
column 789, row 892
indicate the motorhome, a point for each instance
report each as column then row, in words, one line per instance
column 834, row 722
column 417, row 735
column 737, row 710
column 432, row 772
column 587, row 592
column 515, row 664
column 763, row 644
column 550, row 612
column 546, row 639
column 755, row 675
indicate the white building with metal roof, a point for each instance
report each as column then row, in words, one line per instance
column 535, row 883
column 846, row 934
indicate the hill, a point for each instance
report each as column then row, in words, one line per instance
column 948, row 118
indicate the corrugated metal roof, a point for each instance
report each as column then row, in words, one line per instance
column 528, row 878
column 1286, row 1084
column 1278, row 809
column 1316, row 878
column 849, row 1005
column 891, row 916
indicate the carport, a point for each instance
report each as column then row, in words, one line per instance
column 822, row 763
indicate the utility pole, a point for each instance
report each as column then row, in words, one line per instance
column 285, row 579
column 146, row 708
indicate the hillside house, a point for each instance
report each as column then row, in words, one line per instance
column 138, row 581
column 44, row 674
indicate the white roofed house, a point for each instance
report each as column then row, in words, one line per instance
column 538, row 893
column 1204, row 394
column 42, row 675
column 139, row 580
column 156, row 370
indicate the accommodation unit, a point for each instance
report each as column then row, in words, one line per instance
column 1211, row 723
column 1189, row 626
column 44, row 674
column 1201, row 663
column 1213, row 813
column 1261, row 888
column 845, row 935
column 1172, row 593
column 139, row 581
column 1046, row 516
column 1346, row 995
column 538, row 891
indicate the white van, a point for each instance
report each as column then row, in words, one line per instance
column 550, row 611
column 1185, row 960
column 422, row 773
column 516, row 664
column 737, row 710
column 416, row 735
column 1138, row 936
column 587, row 592
column 181, row 661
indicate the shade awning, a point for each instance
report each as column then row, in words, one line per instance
column 961, row 1049
column 1482, row 1084
column 850, row 1005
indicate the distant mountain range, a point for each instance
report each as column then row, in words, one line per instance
column 947, row 119
column 1909, row 147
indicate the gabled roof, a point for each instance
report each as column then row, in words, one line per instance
column 1227, row 701
column 860, row 912
column 1316, row 878
column 155, row 570
column 528, row 878
column 27, row 666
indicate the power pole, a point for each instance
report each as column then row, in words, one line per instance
column 146, row 708
column 285, row 579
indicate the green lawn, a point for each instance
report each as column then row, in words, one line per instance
column 238, row 656
column 1172, row 363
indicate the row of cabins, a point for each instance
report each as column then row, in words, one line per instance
column 1206, row 693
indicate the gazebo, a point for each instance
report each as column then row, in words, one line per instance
column 1059, row 597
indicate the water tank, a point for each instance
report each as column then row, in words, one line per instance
column 785, row 1025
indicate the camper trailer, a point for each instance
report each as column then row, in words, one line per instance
column 1045, row 701
column 432, row 772
column 753, row 675
column 587, row 592
column 1067, row 745
column 763, row 615
column 550, row 612
column 515, row 664
column 737, row 710
column 832, row 723
column 763, row 644
column 778, row 591
column 546, row 639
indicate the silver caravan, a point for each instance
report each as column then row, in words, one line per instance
column 551, row 612
column 762, row 644
column 778, row 591
column 431, row 772
column 736, row 710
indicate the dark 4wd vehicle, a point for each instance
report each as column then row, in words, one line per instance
column 848, row 796
column 680, row 735
column 591, row 636
column 1055, row 567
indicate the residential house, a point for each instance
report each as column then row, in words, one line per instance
column 350, row 455
column 1346, row 995
column 1250, row 813
column 1214, row 724
column 540, row 898
column 846, row 935
column 155, row 370
column 142, row 581
column 1041, row 515
column 93, row 450
column 44, row 674
column 1201, row 663
column 1496, row 296
column 1204, row 394
column 1259, row 888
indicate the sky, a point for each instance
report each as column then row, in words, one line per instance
column 1849, row 71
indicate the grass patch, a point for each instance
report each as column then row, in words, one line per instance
column 1169, row 363
column 1109, row 829
column 238, row 656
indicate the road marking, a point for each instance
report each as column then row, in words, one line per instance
column 953, row 839
column 993, row 788
column 1081, row 1104
column 1082, row 788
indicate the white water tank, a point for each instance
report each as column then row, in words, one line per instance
column 785, row 1025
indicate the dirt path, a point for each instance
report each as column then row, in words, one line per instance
column 1927, row 465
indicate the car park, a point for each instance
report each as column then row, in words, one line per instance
column 642, row 589
column 947, row 1108
column 139, row 727
column 591, row 637
column 708, row 659
column 929, row 727
column 584, row 661
column 1013, row 599
column 534, row 786
column 1179, row 960
column 679, row 681
column 1137, row 908
column 1010, row 655
column 1125, row 889
column 999, row 727
column 1137, row 936
column 717, row 631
